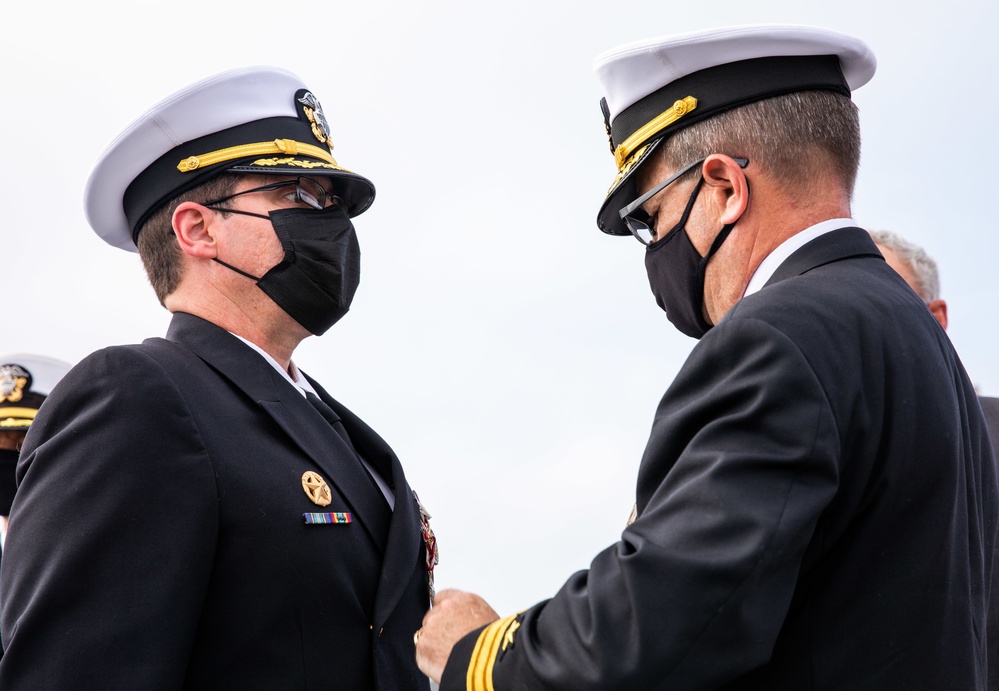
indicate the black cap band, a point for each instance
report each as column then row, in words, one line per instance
column 728, row 86
column 163, row 180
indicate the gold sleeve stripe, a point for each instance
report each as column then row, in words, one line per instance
column 480, row 667
column 287, row 147
column 680, row 108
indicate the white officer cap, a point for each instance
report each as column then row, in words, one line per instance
column 25, row 381
column 657, row 86
column 259, row 120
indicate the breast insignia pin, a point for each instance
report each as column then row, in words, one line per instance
column 316, row 488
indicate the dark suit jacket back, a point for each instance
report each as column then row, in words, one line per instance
column 817, row 509
column 990, row 407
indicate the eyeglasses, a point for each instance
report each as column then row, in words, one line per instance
column 641, row 225
column 306, row 191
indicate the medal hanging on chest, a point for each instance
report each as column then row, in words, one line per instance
column 431, row 544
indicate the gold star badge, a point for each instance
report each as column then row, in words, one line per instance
column 316, row 488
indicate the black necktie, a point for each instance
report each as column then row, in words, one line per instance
column 331, row 417
column 334, row 420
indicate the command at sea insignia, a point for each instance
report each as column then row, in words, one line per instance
column 316, row 488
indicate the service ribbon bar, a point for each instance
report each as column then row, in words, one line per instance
column 323, row 518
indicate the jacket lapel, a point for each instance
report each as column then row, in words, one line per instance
column 402, row 551
column 835, row 245
column 248, row 371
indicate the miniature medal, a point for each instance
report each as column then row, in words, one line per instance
column 431, row 542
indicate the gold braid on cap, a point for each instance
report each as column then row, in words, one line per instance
column 680, row 108
column 288, row 147
column 16, row 417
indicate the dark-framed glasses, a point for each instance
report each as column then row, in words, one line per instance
column 641, row 225
column 300, row 190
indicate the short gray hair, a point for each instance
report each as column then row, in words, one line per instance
column 924, row 269
column 789, row 137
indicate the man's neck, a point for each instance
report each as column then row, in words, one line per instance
column 779, row 254
column 772, row 218
column 278, row 344
column 267, row 326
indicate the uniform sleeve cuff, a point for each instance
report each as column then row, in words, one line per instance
column 456, row 670
column 470, row 665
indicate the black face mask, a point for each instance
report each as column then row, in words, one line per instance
column 676, row 273
column 315, row 282
column 8, row 483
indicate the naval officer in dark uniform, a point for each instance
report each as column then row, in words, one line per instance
column 25, row 382
column 817, row 503
column 195, row 511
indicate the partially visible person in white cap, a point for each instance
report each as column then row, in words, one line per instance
column 25, row 381
column 195, row 511
column 817, row 504
column 920, row 271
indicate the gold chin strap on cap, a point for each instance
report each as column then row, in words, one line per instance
column 288, row 147
column 680, row 108
column 16, row 417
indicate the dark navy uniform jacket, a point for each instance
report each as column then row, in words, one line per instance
column 817, row 509
column 157, row 537
column 990, row 406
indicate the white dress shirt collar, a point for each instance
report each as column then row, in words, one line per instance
column 292, row 374
column 784, row 250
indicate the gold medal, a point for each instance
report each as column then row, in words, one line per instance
column 316, row 488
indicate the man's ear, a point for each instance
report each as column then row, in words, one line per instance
column 939, row 310
column 193, row 226
column 727, row 185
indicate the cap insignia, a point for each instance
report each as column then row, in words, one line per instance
column 314, row 112
column 13, row 382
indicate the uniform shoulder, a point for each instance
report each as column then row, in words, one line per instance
column 838, row 299
column 116, row 362
column 123, row 376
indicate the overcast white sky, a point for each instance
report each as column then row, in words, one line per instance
column 510, row 352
